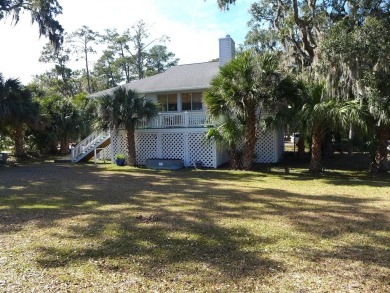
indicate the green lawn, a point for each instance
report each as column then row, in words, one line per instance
column 85, row 228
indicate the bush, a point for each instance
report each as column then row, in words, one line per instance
column 120, row 157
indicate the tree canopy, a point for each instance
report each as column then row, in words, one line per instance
column 225, row 4
column 17, row 109
column 43, row 12
column 343, row 45
column 134, row 54
column 82, row 41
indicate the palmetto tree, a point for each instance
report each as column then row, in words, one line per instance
column 241, row 87
column 229, row 133
column 125, row 107
column 16, row 110
column 288, row 99
column 67, row 121
column 6, row 87
column 319, row 114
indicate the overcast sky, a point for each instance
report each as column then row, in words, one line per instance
column 194, row 27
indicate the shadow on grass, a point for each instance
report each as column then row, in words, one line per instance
column 149, row 230
column 364, row 253
column 339, row 170
column 342, row 162
column 165, row 241
column 339, row 178
column 148, row 221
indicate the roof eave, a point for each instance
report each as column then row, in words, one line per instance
column 173, row 90
column 107, row 92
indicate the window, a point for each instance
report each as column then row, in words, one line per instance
column 168, row 102
column 191, row 101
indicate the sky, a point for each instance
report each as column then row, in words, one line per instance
column 193, row 26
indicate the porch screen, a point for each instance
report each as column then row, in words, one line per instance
column 191, row 101
column 168, row 102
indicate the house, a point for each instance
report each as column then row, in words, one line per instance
column 180, row 128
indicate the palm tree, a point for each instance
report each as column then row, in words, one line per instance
column 242, row 86
column 229, row 133
column 318, row 114
column 16, row 110
column 287, row 100
column 62, row 120
column 125, row 107
column 6, row 86
column 67, row 121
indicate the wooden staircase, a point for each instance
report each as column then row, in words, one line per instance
column 85, row 150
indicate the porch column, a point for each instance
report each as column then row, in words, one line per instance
column 159, row 145
column 160, row 120
column 186, row 150
column 112, row 144
column 179, row 103
column 186, row 119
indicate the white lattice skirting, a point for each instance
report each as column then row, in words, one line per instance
column 190, row 145
column 269, row 146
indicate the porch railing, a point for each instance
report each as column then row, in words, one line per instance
column 183, row 119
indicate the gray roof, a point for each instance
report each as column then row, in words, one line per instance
column 195, row 76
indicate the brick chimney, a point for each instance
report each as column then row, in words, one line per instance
column 227, row 50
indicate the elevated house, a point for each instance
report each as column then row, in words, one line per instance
column 178, row 132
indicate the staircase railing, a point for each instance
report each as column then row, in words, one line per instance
column 88, row 141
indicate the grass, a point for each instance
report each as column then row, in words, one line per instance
column 105, row 228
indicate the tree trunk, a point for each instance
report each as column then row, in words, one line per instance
column 234, row 159
column 126, row 67
column 350, row 143
column 315, row 161
column 139, row 64
column 87, row 69
column 130, row 137
column 381, row 162
column 18, row 137
column 250, row 140
column 64, row 145
column 301, row 147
